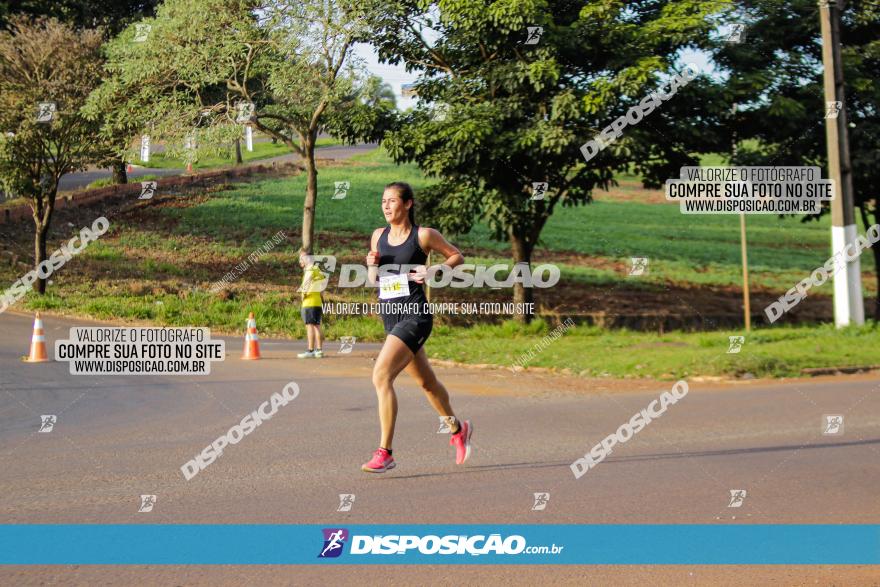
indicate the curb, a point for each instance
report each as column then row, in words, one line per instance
column 815, row 372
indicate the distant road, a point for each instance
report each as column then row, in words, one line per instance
column 74, row 181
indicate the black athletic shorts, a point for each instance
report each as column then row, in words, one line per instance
column 412, row 332
column 312, row 315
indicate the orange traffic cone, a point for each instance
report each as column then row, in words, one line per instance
column 129, row 169
column 189, row 167
column 38, row 343
column 251, row 340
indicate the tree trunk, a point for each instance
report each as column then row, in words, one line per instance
column 43, row 206
column 238, row 160
column 119, row 174
column 522, row 253
column 40, row 253
column 308, row 225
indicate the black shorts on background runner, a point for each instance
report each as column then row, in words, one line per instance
column 312, row 315
column 413, row 328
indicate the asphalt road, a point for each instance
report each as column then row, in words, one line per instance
column 119, row 437
column 81, row 179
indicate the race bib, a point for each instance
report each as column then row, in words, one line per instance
column 393, row 286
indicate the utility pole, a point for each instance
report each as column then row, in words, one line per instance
column 848, row 303
column 747, row 306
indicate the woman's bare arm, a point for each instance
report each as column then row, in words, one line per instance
column 432, row 241
column 373, row 258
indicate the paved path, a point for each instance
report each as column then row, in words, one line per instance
column 119, row 437
column 81, row 179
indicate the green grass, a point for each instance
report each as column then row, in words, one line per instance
column 277, row 203
column 581, row 350
column 161, row 273
column 277, row 314
column 695, row 249
column 683, row 249
column 105, row 181
column 593, row 352
column 262, row 150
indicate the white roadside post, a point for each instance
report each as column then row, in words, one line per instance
column 249, row 138
column 145, row 148
column 848, row 303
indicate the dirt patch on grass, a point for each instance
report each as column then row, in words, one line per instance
column 629, row 190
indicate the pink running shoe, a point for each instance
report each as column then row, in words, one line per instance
column 381, row 462
column 462, row 442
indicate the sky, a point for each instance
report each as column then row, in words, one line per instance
column 396, row 75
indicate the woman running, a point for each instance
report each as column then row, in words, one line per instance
column 407, row 322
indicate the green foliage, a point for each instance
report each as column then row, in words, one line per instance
column 772, row 96
column 207, row 68
column 204, row 59
column 112, row 14
column 517, row 114
column 780, row 101
column 40, row 62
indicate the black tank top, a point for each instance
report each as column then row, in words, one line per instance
column 406, row 253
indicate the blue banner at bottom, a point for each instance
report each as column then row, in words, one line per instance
column 256, row 544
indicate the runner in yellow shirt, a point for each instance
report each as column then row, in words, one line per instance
column 314, row 281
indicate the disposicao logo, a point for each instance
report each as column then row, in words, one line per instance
column 409, row 544
column 334, row 541
column 443, row 545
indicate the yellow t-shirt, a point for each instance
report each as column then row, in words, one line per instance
column 312, row 285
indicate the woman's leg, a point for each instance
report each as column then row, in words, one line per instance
column 420, row 370
column 319, row 337
column 392, row 359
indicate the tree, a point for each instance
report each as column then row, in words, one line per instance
column 775, row 79
column 365, row 113
column 378, row 93
column 112, row 15
column 500, row 109
column 211, row 66
column 45, row 62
